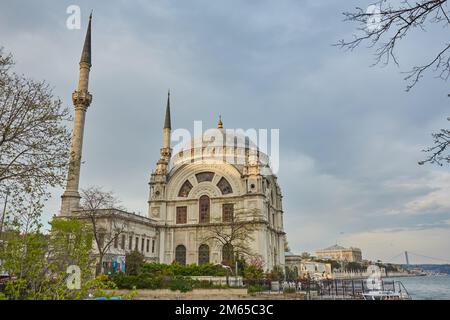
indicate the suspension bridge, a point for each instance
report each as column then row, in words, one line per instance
column 409, row 257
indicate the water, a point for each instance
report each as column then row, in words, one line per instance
column 427, row 287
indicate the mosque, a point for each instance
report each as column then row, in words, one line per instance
column 207, row 202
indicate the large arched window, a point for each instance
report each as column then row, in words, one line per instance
column 203, row 254
column 185, row 189
column 203, row 209
column 224, row 186
column 227, row 254
column 180, row 254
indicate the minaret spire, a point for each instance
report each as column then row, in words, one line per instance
column 81, row 99
column 220, row 124
column 86, row 54
column 166, row 151
column 167, row 121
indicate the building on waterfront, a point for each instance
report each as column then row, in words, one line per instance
column 198, row 190
column 339, row 253
column 306, row 268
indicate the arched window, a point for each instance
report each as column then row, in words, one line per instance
column 224, row 186
column 203, row 208
column 204, row 176
column 180, row 254
column 227, row 254
column 203, row 254
column 185, row 189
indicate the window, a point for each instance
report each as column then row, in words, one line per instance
column 130, row 243
column 136, row 245
column 153, row 245
column 142, row 244
column 148, row 245
column 227, row 254
column 227, row 212
column 185, row 189
column 203, row 254
column 203, row 206
column 224, row 186
column 204, row 176
column 122, row 243
column 116, row 241
column 181, row 215
column 180, row 254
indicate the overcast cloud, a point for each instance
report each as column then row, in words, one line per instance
column 350, row 135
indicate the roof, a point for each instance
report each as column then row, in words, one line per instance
column 335, row 247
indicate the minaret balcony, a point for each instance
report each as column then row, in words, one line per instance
column 81, row 98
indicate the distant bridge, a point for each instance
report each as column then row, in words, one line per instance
column 407, row 254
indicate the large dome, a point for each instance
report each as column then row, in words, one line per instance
column 216, row 146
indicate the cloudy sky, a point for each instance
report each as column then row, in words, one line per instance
column 350, row 136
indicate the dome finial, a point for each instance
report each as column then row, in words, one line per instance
column 220, row 124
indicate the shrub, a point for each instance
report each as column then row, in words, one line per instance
column 257, row 288
column 182, row 284
column 177, row 269
column 124, row 281
column 253, row 272
column 289, row 290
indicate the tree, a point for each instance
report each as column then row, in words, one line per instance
column 235, row 236
column 134, row 261
column 98, row 207
column 34, row 139
column 385, row 24
column 37, row 263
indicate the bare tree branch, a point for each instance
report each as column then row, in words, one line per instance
column 384, row 28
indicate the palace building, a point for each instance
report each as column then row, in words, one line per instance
column 211, row 200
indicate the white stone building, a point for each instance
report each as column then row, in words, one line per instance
column 206, row 185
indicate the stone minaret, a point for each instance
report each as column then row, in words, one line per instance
column 165, row 151
column 81, row 100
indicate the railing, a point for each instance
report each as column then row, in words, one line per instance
column 327, row 288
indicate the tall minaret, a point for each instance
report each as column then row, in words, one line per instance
column 166, row 151
column 81, row 100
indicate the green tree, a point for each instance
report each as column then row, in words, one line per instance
column 37, row 263
column 134, row 261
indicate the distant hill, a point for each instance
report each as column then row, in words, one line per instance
column 443, row 268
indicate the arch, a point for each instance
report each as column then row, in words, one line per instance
column 203, row 254
column 224, row 186
column 185, row 189
column 180, row 254
column 204, row 205
column 227, row 254
column 179, row 174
